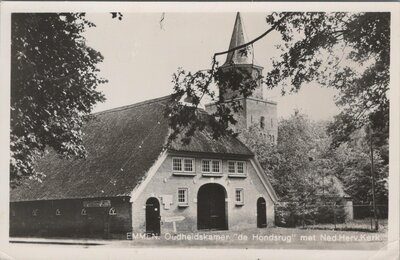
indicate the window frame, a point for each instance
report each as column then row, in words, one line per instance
column 183, row 171
column 35, row 212
column 209, row 165
column 212, row 172
column 186, row 196
column 237, row 173
column 243, row 171
column 262, row 122
column 112, row 211
column 241, row 194
column 234, row 167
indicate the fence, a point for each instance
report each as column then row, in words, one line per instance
column 332, row 216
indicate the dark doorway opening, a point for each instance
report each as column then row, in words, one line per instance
column 153, row 217
column 261, row 213
column 211, row 207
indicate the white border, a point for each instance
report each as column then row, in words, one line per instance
column 149, row 253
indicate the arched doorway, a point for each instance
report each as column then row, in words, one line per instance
column 211, row 208
column 153, row 217
column 261, row 213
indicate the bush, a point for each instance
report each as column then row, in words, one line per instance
column 330, row 214
column 287, row 215
column 292, row 215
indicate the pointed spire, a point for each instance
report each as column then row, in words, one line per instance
column 241, row 56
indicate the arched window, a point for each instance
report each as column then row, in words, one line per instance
column 262, row 122
column 58, row 212
column 112, row 212
column 83, row 212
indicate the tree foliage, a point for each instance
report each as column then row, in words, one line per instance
column 194, row 86
column 346, row 51
column 54, row 80
column 353, row 167
column 296, row 164
column 309, row 175
column 299, row 166
column 190, row 88
column 305, row 170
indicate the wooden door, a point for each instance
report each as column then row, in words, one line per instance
column 153, row 217
column 261, row 213
column 211, row 212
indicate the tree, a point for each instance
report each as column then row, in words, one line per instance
column 54, row 80
column 346, row 51
column 362, row 40
column 353, row 168
column 297, row 166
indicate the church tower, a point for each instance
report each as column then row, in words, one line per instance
column 256, row 110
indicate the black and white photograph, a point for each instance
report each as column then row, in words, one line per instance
column 252, row 130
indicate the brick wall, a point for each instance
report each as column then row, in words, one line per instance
column 255, row 109
column 70, row 222
column 239, row 116
column 165, row 182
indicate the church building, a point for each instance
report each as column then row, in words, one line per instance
column 256, row 111
column 131, row 183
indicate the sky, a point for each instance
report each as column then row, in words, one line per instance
column 141, row 54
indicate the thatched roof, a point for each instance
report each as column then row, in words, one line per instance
column 122, row 144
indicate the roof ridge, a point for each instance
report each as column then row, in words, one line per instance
column 141, row 103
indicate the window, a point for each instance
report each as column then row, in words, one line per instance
column 216, row 166
column 112, row 212
column 239, row 197
column 13, row 213
column 211, row 166
column 205, row 166
column 83, row 212
column 188, row 166
column 262, row 122
column 231, row 167
column 183, row 197
column 177, row 164
column 237, row 168
column 58, row 212
column 35, row 212
column 183, row 165
column 240, row 167
column 272, row 122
